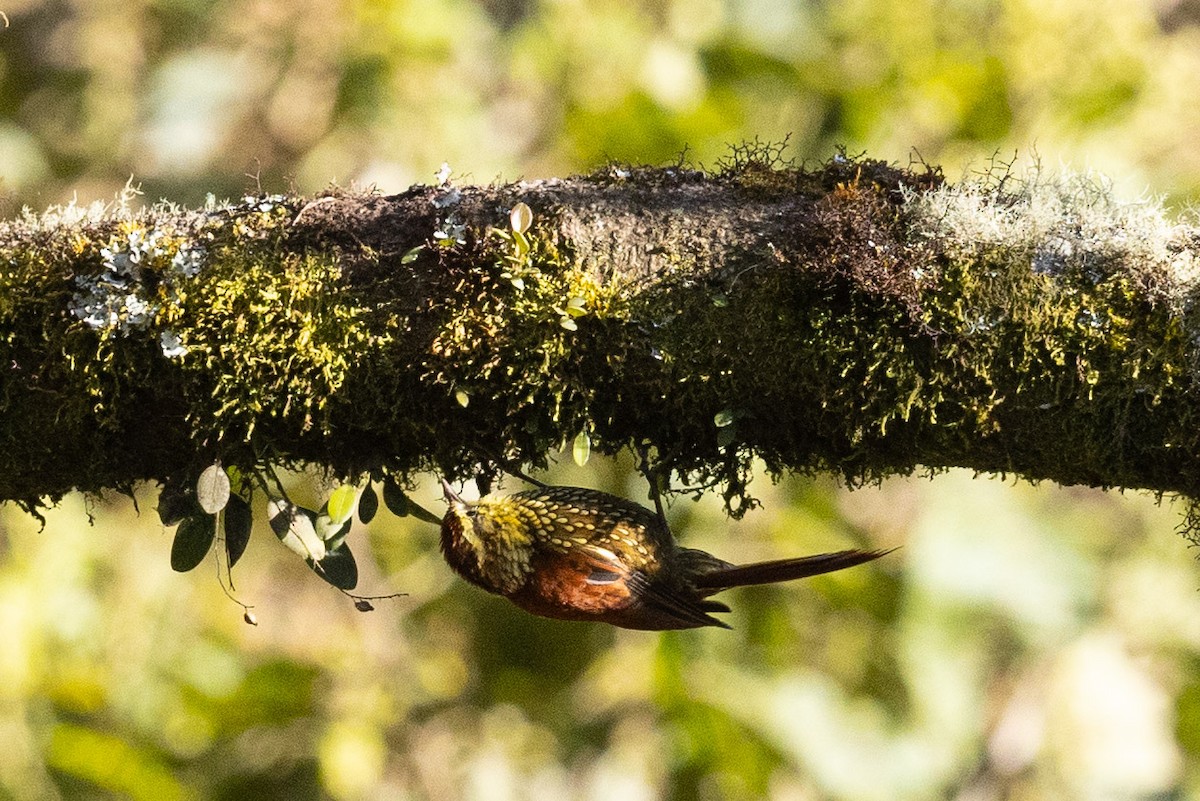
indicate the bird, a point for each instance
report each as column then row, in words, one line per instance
column 572, row 553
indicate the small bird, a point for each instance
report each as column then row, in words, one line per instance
column 579, row 554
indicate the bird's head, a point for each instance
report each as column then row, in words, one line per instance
column 484, row 541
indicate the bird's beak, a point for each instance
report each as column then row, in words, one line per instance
column 452, row 497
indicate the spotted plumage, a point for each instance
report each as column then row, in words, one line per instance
column 580, row 554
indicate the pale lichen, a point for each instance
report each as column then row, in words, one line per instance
column 1069, row 225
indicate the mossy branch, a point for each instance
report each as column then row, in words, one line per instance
column 854, row 318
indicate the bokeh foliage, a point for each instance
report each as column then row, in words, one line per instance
column 1025, row 642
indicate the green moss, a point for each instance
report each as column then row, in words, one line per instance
column 295, row 344
column 1063, row 362
column 512, row 344
column 268, row 339
column 855, row 318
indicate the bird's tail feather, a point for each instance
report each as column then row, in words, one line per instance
column 723, row 577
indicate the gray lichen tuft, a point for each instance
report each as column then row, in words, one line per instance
column 1067, row 225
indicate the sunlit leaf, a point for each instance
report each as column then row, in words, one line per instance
column 331, row 532
column 521, row 217
column 581, row 449
column 412, row 255
column 569, row 324
column 463, row 398
column 192, row 541
column 522, row 244
column 237, row 480
column 212, row 489
column 338, row 537
column 294, row 525
column 724, row 418
column 340, row 505
column 577, row 307
column 238, row 522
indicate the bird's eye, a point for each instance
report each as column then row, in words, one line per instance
column 472, row 512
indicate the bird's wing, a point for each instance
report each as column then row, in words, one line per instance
column 637, row 600
column 594, row 583
column 662, row 606
column 577, row 584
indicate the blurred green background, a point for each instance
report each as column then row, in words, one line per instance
column 1025, row 643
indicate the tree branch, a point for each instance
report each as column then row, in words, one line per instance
column 855, row 318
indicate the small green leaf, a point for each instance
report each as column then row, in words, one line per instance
column 464, row 399
column 329, row 530
column 394, row 498
column 341, row 503
column 337, row 567
column 279, row 515
column 412, row 255
column 237, row 480
column 238, row 523
column 724, row 418
column 212, row 489
column 193, row 538
column 296, row 529
column 577, row 307
column 581, row 449
column 522, row 244
column 368, row 505
column 521, row 217
column 338, row 537
column 569, row 324
column 518, row 282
